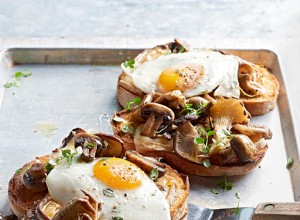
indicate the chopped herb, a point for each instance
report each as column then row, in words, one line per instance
column 16, row 78
column 108, row 192
column 154, row 174
column 180, row 49
column 210, row 133
column 18, row 171
column 90, row 145
column 118, row 119
column 199, row 140
column 224, row 184
column 190, row 109
column 129, row 63
column 206, row 163
column 49, row 167
column 227, row 133
column 136, row 101
column 237, row 195
column 8, row 84
column 117, row 218
column 290, row 162
column 127, row 128
column 237, row 209
column 214, row 191
column 68, row 155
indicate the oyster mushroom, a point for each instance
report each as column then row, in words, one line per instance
column 248, row 76
column 35, row 177
column 78, row 208
column 184, row 143
column 225, row 113
column 47, row 208
column 243, row 148
column 173, row 99
column 254, row 131
column 155, row 115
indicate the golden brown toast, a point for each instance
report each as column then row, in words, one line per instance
column 235, row 148
column 258, row 87
column 29, row 202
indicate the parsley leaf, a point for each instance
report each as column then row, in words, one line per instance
column 129, row 63
column 237, row 209
column 224, row 184
column 136, row 101
column 206, row 163
column 237, row 195
column 154, row 174
column 108, row 192
column 49, row 167
column 290, row 162
column 214, row 191
column 16, row 78
column 18, row 171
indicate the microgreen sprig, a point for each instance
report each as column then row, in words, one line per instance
column 136, row 101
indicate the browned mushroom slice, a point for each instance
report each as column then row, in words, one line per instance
column 114, row 147
column 154, row 114
column 143, row 163
column 77, row 207
column 253, row 131
column 89, row 143
column 184, row 143
column 47, row 208
column 35, row 177
column 243, row 147
column 69, row 139
column 179, row 46
column 173, row 99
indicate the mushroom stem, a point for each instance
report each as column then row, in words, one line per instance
column 152, row 124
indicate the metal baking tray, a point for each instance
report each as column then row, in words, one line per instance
column 77, row 88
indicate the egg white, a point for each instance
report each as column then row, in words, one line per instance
column 219, row 71
column 65, row 182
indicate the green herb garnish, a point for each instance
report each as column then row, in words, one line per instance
column 90, row 145
column 224, row 184
column 136, row 101
column 214, row 191
column 108, row 192
column 129, row 63
column 154, row 174
column 49, row 167
column 237, row 209
column 190, row 109
column 206, row 163
column 180, row 49
column 18, row 171
column 202, row 138
column 237, row 195
column 127, row 128
column 117, row 218
column 290, row 162
column 67, row 154
column 16, row 78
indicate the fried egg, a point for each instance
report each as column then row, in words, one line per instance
column 131, row 193
column 193, row 73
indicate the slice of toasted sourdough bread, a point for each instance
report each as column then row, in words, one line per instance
column 30, row 198
column 194, row 136
column 253, row 84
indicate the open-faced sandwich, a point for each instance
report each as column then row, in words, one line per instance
column 88, row 178
column 195, row 136
column 175, row 66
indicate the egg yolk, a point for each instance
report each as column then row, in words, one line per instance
column 180, row 77
column 118, row 173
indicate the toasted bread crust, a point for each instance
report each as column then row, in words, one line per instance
column 257, row 105
column 21, row 199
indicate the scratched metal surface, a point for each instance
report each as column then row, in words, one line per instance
column 73, row 87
